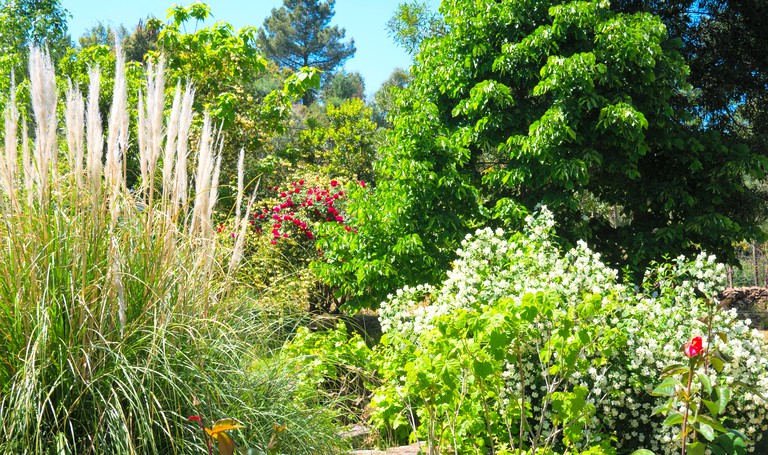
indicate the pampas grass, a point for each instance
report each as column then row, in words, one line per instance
column 113, row 326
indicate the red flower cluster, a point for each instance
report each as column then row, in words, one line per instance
column 296, row 204
column 693, row 347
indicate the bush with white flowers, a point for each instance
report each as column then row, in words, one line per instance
column 581, row 351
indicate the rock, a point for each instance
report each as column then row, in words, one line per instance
column 413, row 449
column 750, row 303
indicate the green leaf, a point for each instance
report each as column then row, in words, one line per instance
column 712, row 422
column 674, row 418
column 674, row 369
column 713, row 407
column 697, row 448
column 499, row 340
column 722, row 356
column 706, row 431
column 667, row 388
column 704, row 380
column 642, row 452
column 723, row 397
column 662, row 408
column 482, row 369
column 730, row 443
column 717, row 364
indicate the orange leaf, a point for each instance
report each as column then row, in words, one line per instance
column 223, row 425
column 226, row 444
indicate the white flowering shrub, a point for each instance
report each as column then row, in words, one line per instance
column 524, row 346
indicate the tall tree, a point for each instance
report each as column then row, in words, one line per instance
column 724, row 44
column 412, row 23
column 299, row 34
column 102, row 34
column 567, row 104
column 142, row 40
column 343, row 86
column 384, row 100
column 25, row 22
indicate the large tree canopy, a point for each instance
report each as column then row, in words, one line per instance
column 298, row 34
column 724, row 44
column 567, row 104
column 25, row 22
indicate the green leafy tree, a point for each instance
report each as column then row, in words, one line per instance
column 299, row 34
column 25, row 22
column 102, row 34
column 343, row 86
column 142, row 40
column 412, row 23
column 723, row 42
column 384, row 100
column 554, row 103
column 347, row 145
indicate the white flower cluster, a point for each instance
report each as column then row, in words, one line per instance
column 657, row 326
column 491, row 265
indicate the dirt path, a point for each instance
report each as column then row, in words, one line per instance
column 413, row 449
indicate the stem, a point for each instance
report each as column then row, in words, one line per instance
column 523, row 418
column 487, row 417
column 687, row 407
column 207, row 438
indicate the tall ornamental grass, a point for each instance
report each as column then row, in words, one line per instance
column 113, row 328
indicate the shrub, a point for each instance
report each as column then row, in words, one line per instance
column 337, row 364
column 523, row 346
column 285, row 226
column 114, row 325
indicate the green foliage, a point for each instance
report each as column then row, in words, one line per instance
column 347, row 145
column 523, row 104
column 298, row 35
column 721, row 43
column 335, row 362
column 27, row 22
column 384, row 100
column 488, row 364
column 225, row 67
column 116, row 321
column 286, row 223
column 343, row 86
column 101, row 34
column 206, row 57
column 697, row 395
column 142, row 40
column 414, row 22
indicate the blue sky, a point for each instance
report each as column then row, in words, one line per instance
column 364, row 20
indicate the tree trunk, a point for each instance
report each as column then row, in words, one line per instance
column 754, row 264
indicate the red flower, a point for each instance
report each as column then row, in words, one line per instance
column 362, row 183
column 693, row 347
column 301, row 182
column 334, row 183
column 195, row 418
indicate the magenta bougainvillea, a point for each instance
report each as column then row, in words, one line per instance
column 297, row 209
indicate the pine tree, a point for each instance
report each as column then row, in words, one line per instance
column 298, row 35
